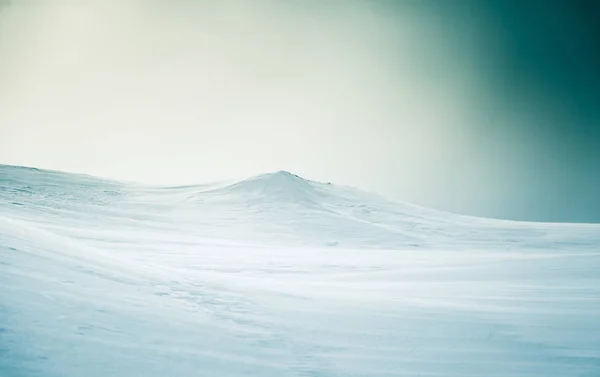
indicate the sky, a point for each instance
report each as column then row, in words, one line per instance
column 487, row 108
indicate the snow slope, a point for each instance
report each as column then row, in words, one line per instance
column 280, row 276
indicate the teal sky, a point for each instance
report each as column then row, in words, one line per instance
column 483, row 108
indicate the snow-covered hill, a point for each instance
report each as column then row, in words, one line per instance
column 281, row 276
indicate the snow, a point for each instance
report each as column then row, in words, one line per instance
column 280, row 276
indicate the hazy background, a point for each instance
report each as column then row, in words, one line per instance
column 488, row 108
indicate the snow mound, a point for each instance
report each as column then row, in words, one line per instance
column 278, row 208
column 278, row 186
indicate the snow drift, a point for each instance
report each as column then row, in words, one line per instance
column 281, row 276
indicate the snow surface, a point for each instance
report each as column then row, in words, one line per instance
column 280, row 276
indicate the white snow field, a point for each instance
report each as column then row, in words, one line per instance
column 280, row 276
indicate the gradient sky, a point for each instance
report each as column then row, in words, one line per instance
column 488, row 108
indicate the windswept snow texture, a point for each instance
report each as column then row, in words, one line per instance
column 280, row 276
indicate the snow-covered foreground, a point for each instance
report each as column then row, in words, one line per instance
column 279, row 276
